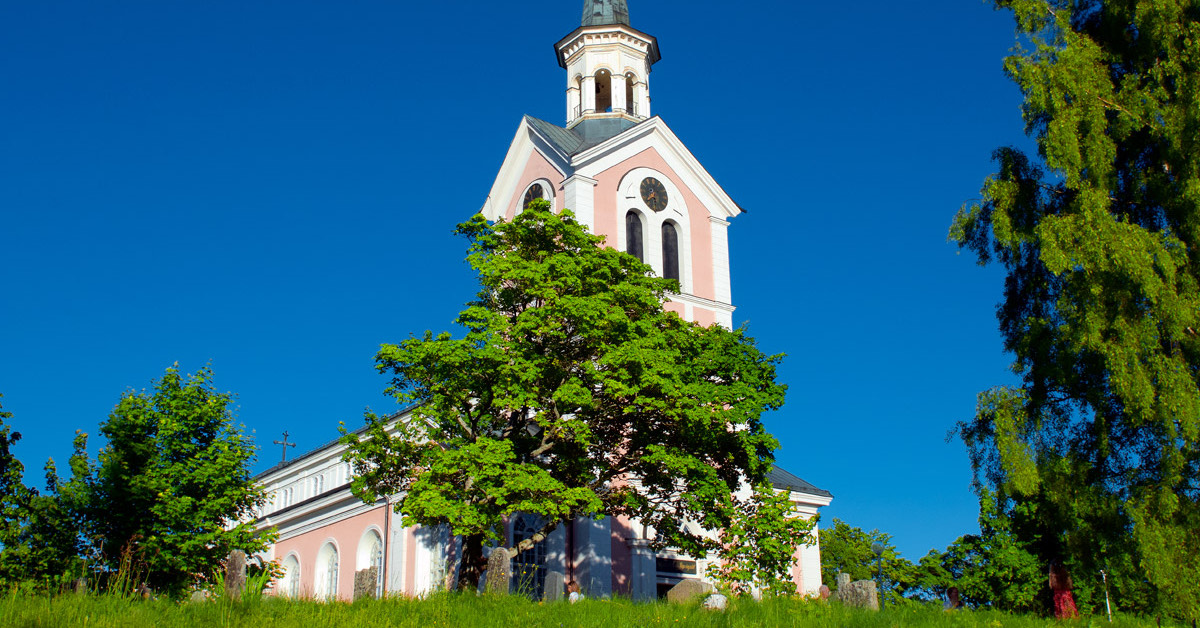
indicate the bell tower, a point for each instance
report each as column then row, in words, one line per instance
column 608, row 65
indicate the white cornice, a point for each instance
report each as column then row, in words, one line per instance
column 579, row 177
column 702, row 302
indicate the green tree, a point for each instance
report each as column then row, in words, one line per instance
column 1099, row 236
column 14, row 505
column 572, row 394
column 758, row 545
column 848, row 549
column 991, row 569
column 173, row 484
column 57, row 526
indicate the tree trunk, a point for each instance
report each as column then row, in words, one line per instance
column 471, row 567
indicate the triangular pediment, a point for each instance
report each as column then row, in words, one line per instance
column 593, row 149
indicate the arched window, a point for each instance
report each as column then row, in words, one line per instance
column 289, row 584
column 670, row 251
column 327, row 572
column 370, row 554
column 630, row 104
column 529, row 567
column 633, row 235
column 534, row 193
column 603, row 91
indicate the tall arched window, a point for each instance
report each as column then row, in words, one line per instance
column 529, row 567
column 633, row 235
column 370, row 554
column 603, row 91
column 327, row 572
column 289, row 585
column 670, row 251
column 630, row 104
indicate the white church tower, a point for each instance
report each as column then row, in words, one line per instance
column 622, row 171
column 608, row 65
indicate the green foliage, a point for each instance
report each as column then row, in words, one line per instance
column 992, row 569
column 1102, row 299
column 570, row 380
column 173, row 489
column 759, row 544
column 847, row 549
column 14, row 504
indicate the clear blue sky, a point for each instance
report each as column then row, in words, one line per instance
column 271, row 187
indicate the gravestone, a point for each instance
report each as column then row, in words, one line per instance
column 843, row 579
column 555, row 587
column 688, row 590
column 199, row 595
column 860, row 594
column 81, row 586
column 715, row 602
column 366, row 582
column 499, row 571
column 235, row 574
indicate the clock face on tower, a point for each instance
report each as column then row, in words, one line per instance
column 535, row 192
column 654, row 194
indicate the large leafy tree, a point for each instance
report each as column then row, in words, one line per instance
column 1099, row 235
column 571, row 394
column 173, row 490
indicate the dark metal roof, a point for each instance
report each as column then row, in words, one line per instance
column 784, row 480
column 604, row 12
column 582, row 136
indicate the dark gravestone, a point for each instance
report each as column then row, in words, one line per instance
column 499, row 571
column 555, row 587
column 366, row 582
column 235, row 574
column 688, row 590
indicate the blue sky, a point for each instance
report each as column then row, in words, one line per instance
column 271, row 187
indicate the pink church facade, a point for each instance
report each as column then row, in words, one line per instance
column 629, row 178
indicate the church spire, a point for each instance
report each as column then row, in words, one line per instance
column 608, row 65
column 605, row 12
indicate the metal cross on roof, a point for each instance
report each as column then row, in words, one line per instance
column 285, row 444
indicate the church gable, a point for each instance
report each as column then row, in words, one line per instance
column 532, row 158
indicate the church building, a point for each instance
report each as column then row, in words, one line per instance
column 630, row 179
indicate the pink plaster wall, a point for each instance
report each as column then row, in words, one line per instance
column 704, row 316
column 345, row 535
column 798, row 570
column 536, row 168
column 700, row 236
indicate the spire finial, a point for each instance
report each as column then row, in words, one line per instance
column 604, row 12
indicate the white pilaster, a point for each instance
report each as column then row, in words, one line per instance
column 618, row 93
column 589, row 94
column 579, row 196
column 593, row 556
column 720, row 257
column 643, row 580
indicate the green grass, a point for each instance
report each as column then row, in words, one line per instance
column 25, row 611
